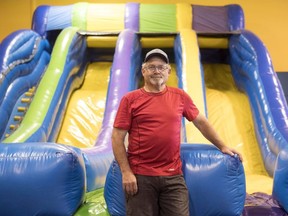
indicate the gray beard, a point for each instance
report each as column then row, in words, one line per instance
column 157, row 82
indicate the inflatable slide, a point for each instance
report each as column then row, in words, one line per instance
column 62, row 81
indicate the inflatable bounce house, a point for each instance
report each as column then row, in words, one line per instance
column 61, row 83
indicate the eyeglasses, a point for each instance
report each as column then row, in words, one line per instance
column 152, row 68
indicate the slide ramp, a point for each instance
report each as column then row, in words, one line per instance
column 67, row 72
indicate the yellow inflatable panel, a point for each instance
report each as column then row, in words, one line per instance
column 229, row 112
column 259, row 183
column 192, row 81
column 173, row 80
column 184, row 16
column 84, row 115
column 102, row 42
column 106, row 17
column 159, row 42
column 218, row 43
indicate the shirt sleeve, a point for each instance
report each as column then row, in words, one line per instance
column 123, row 116
column 190, row 111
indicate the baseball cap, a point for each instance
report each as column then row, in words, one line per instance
column 157, row 52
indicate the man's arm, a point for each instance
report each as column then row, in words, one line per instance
column 210, row 134
column 128, row 178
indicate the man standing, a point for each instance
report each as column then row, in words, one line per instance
column 151, row 168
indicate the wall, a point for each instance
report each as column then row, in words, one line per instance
column 14, row 15
column 266, row 18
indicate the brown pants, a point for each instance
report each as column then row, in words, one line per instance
column 159, row 196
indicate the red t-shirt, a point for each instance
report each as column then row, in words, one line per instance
column 153, row 121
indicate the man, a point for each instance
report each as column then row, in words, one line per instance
column 151, row 169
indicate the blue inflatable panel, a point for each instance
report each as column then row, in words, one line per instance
column 113, row 191
column 40, row 179
column 216, row 183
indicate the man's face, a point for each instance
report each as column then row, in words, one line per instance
column 156, row 71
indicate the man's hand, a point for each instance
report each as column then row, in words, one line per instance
column 230, row 151
column 129, row 182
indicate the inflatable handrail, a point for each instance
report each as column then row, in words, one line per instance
column 253, row 72
column 24, row 56
column 37, row 124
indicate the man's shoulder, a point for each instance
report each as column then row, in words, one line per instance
column 134, row 94
column 175, row 90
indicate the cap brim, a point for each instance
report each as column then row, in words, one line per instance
column 156, row 55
